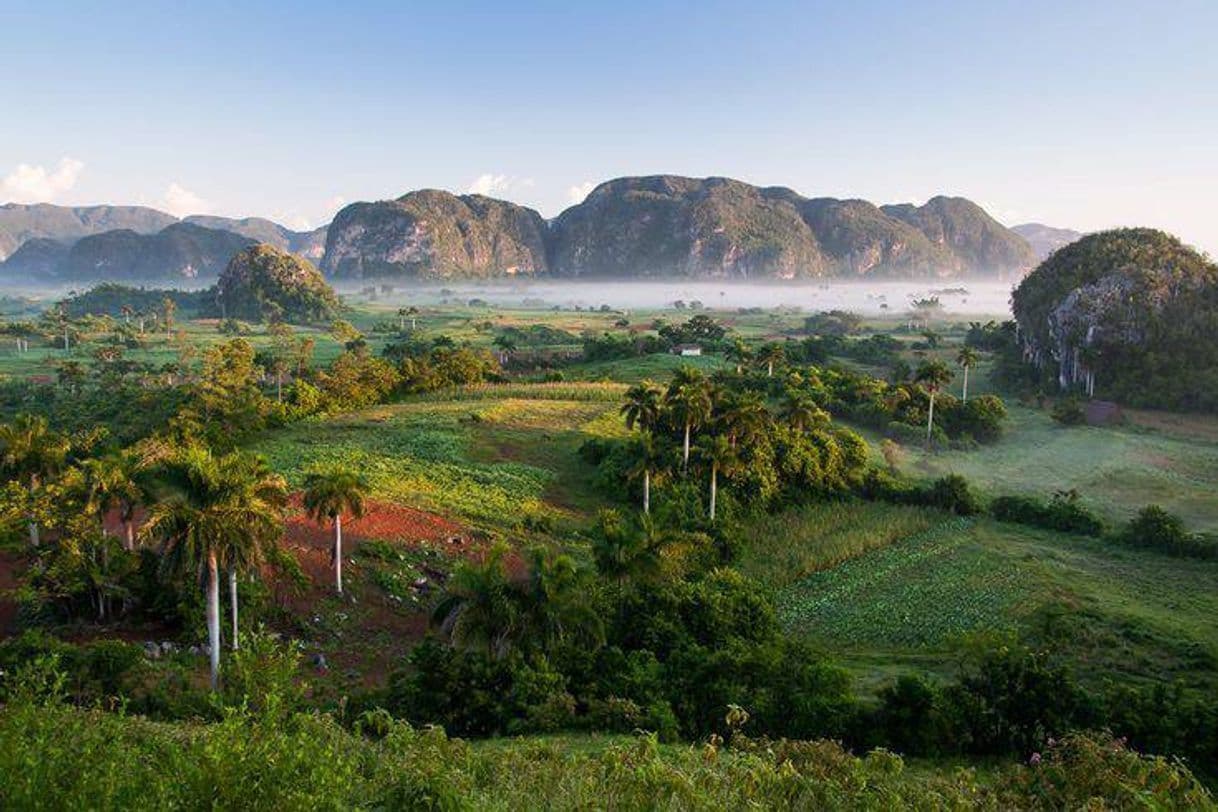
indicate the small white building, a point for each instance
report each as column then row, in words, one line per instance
column 687, row 350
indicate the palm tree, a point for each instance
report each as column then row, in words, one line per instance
column 647, row 461
column 110, row 482
column 689, row 400
column 801, row 412
column 744, row 417
column 933, row 375
column 412, row 312
column 475, row 610
column 771, row 354
column 330, row 494
column 402, row 313
column 738, row 353
column 31, row 452
column 722, row 458
column 967, row 358
column 624, row 550
column 168, row 307
column 209, row 512
column 552, row 603
column 642, row 407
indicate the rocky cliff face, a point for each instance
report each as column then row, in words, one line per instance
column 182, row 251
column 435, row 234
column 975, row 241
column 1108, row 293
column 21, row 223
column 670, row 226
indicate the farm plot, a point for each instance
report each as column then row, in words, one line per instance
column 926, row 590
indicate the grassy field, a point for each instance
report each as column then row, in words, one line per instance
column 1117, row 470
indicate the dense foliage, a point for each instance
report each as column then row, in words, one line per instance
column 1129, row 315
column 263, row 283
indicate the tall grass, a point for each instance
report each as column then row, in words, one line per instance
column 56, row 757
column 784, row 547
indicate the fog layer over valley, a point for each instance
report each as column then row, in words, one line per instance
column 871, row 298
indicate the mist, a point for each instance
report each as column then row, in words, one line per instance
column 975, row 297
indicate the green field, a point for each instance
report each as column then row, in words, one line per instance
column 1116, row 470
column 488, row 456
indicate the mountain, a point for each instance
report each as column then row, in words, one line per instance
column 1045, row 239
column 1128, row 314
column 665, row 226
column 38, row 259
column 309, row 244
column 672, row 226
column 435, row 234
column 976, row 241
column 262, row 282
column 182, row 251
column 20, row 223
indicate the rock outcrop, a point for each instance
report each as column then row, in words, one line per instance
column 432, row 234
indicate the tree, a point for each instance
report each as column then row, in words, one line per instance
column 30, row 452
column 328, row 495
column 721, row 456
column 110, row 482
column 643, row 406
column 966, row 358
column 771, row 355
column 802, row 413
column 624, row 550
column 744, row 417
column 168, row 308
column 506, row 347
column 475, row 610
column 688, row 399
column 647, row 461
column 209, row 512
column 738, row 353
column 933, row 376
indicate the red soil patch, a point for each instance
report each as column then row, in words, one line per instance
column 382, row 521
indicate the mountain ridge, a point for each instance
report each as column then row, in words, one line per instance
column 633, row 227
column 659, row 226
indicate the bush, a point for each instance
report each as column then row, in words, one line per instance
column 1156, row 529
column 1063, row 513
column 953, row 494
column 1069, row 412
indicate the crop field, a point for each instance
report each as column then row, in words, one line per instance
column 1116, row 470
column 494, row 458
column 783, row 547
column 1115, row 612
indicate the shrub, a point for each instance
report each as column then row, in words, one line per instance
column 953, row 494
column 1069, row 412
column 1156, row 529
column 1063, row 513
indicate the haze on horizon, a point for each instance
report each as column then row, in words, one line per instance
column 1087, row 116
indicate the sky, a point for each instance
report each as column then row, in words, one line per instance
column 1084, row 115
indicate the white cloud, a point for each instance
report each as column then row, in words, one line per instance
column 35, row 184
column 498, row 185
column 577, row 193
column 180, row 202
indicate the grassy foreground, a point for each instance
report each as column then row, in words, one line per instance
column 56, row 757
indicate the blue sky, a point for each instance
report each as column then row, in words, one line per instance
column 1081, row 114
